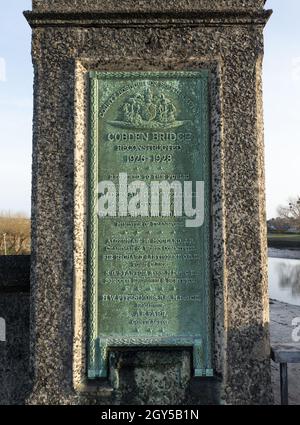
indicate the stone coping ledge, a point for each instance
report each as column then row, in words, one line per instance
column 145, row 5
column 146, row 19
column 14, row 273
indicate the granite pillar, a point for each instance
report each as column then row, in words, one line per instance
column 71, row 38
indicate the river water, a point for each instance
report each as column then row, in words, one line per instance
column 284, row 276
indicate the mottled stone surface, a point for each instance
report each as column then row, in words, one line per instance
column 161, row 378
column 14, row 309
column 232, row 47
column 145, row 5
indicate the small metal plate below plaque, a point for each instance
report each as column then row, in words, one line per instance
column 149, row 276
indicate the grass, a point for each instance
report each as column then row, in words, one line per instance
column 290, row 236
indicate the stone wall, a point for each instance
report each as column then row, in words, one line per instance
column 14, row 344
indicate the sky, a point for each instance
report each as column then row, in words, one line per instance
column 281, row 105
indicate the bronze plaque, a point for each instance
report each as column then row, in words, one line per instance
column 148, row 255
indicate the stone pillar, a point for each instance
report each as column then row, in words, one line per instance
column 71, row 38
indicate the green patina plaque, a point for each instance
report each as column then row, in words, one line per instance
column 149, row 276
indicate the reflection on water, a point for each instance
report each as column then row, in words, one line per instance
column 284, row 280
column 289, row 277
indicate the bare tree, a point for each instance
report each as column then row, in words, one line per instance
column 291, row 212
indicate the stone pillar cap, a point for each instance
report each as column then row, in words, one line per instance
column 131, row 6
column 146, row 13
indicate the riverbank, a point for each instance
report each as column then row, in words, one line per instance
column 284, row 240
column 281, row 317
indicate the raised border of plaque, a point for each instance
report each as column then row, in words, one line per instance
column 99, row 345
